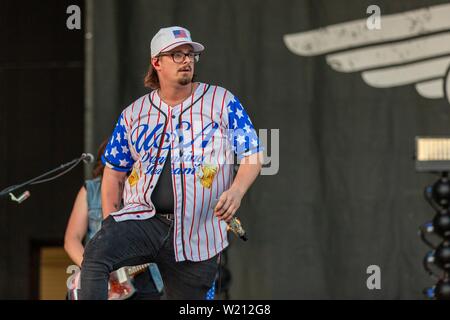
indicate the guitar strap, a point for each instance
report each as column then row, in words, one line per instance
column 156, row 276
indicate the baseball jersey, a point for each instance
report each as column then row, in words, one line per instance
column 202, row 134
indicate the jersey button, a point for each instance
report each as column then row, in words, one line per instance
column 174, row 116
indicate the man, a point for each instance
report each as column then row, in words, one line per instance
column 178, row 144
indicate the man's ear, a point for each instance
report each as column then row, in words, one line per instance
column 155, row 63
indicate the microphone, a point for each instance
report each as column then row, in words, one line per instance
column 236, row 226
column 87, row 157
column 24, row 196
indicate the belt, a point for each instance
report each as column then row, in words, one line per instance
column 168, row 216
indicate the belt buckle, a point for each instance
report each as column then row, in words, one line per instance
column 168, row 216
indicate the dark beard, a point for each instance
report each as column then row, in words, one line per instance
column 185, row 81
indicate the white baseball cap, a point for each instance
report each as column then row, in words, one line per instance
column 168, row 38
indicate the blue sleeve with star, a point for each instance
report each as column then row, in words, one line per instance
column 243, row 135
column 117, row 155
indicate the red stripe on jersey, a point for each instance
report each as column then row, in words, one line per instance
column 126, row 195
column 145, row 138
column 128, row 187
column 210, row 190
column 136, row 196
column 132, row 112
column 223, row 168
column 221, row 113
column 231, row 175
column 174, row 186
column 203, row 189
column 195, row 186
column 125, row 118
column 183, row 214
column 157, row 152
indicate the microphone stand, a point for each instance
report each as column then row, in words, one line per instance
column 70, row 165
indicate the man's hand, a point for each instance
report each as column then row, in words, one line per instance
column 229, row 203
column 230, row 200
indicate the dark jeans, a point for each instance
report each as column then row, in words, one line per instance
column 145, row 287
column 134, row 242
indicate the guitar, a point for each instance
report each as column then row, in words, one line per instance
column 120, row 285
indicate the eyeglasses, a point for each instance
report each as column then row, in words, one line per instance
column 178, row 56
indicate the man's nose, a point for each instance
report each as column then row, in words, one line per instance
column 186, row 60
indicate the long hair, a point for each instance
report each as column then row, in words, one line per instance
column 151, row 79
column 98, row 167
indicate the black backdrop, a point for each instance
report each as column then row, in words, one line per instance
column 346, row 195
column 41, row 127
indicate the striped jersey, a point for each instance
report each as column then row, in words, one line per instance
column 203, row 134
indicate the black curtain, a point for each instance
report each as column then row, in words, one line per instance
column 347, row 195
column 41, row 127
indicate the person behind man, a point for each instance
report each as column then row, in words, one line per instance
column 179, row 142
column 86, row 219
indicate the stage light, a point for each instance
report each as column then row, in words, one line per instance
column 432, row 154
column 441, row 191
